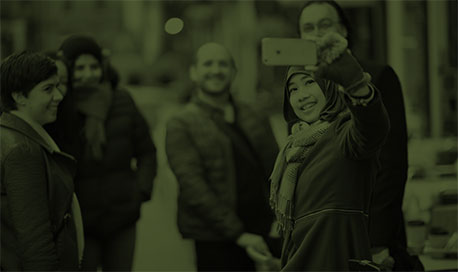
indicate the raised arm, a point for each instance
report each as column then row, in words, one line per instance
column 368, row 127
column 369, row 120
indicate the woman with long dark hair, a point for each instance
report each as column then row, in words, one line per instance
column 115, row 153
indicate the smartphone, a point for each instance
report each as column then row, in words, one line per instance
column 288, row 52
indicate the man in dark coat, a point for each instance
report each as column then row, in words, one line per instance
column 221, row 153
column 386, row 223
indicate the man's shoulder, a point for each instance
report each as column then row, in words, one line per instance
column 378, row 69
column 249, row 114
column 189, row 113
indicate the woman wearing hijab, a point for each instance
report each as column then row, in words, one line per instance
column 323, row 177
column 41, row 227
column 116, row 156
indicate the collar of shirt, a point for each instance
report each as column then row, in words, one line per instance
column 227, row 109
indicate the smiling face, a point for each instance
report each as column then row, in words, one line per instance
column 87, row 70
column 306, row 97
column 318, row 19
column 62, row 73
column 213, row 71
column 42, row 101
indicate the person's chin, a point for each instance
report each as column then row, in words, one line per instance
column 214, row 92
column 85, row 83
column 51, row 117
column 312, row 118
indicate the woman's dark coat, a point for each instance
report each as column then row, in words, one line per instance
column 112, row 190
column 333, row 193
column 37, row 227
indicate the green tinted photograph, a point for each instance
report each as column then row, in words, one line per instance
column 229, row 135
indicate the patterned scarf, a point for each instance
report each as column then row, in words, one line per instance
column 285, row 174
column 94, row 102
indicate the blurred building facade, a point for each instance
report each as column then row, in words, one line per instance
column 418, row 38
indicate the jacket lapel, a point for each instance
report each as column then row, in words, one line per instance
column 13, row 122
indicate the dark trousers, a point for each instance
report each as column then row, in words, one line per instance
column 115, row 253
column 222, row 256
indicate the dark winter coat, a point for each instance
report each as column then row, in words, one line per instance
column 112, row 190
column 37, row 228
column 389, row 190
column 386, row 220
column 333, row 193
column 200, row 155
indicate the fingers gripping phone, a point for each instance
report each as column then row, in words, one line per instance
column 288, row 52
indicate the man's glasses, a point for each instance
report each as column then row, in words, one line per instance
column 322, row 25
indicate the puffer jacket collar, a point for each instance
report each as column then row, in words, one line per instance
column 212, row 110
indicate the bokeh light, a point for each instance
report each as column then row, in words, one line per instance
column 174, row 25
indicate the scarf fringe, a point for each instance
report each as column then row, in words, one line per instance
column 285, row 174
column 284, row 216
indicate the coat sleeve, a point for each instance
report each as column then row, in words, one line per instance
column 186, row 164
column 144, row 152
column 367, row 128
column 26, row 190
column 391, row 179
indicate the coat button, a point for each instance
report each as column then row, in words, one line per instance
column 67, row 216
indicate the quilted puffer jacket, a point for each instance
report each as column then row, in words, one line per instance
column 200, row 155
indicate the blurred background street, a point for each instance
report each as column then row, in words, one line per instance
column 151, row 45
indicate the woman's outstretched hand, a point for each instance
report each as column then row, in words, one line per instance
column 335, row 61
column 344, row 70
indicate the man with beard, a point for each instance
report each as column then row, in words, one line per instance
column 221, row 153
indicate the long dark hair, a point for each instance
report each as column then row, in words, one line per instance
column 63, row 129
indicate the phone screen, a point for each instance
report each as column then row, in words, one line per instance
column 288, row 52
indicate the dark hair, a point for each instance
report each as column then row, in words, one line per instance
column 62, row 130
column 21, row 72
column 113, row 76
column 57, row 56
column 77, row 45
column 340, row 12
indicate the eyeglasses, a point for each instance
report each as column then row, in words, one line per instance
column 322, row 25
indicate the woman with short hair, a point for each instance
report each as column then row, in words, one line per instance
column 40, row 216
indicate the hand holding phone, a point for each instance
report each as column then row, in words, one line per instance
column 288, row 52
